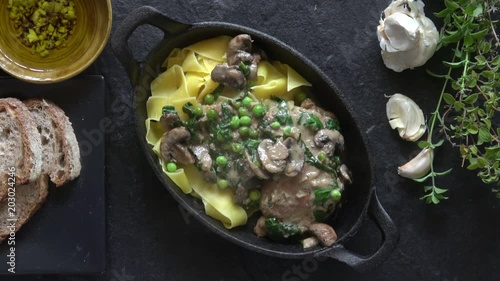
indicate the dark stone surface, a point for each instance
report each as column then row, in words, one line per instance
column 150, row 238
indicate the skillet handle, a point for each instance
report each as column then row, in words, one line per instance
column 390, row 238
column 138, row 17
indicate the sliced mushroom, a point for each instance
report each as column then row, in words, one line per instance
column 273, row 155
column 328, row 139
column 345, row 174
column 310, row 242
column 173, row 146
column 260, row 227
column 169, row 119
column 295, row 159
column 239, row 49
column 258, row 172
column 202, row 154
column 229, row 75
column 325, row 233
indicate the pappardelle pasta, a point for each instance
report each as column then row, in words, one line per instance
column 237, row 130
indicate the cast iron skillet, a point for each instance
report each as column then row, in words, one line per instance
column 361, row 200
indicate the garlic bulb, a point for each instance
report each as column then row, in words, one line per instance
column 405, row 115
column 418, row 166
column 407, row 37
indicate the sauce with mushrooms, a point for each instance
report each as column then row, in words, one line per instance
column 279, row 157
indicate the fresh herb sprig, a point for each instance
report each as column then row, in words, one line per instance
column 470, row 91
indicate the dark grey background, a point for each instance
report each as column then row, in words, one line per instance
column 150, row 238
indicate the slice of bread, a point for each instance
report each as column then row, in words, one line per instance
column 28, row 199
column 20, row 144
column 60, row 151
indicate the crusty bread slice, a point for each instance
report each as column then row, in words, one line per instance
column 28, row 199
column 20, row 143
column 60, row 151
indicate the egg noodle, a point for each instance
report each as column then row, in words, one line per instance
column 187, row 79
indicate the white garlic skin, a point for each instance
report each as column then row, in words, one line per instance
column 407, row 37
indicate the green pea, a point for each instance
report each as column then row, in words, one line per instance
column 212, row 114
column 242, row 111
column 237, row 148
column 245, row 121
column 299, row 97
column 321, row 156
column 208, row 99
column 254, row 195
column 275, row 125
column 198, row 111
column 258, row 110
column 221, row 160
column 246, row 101
column 336, row 195
column 222, row 183
column 235, row 122
column 253, row 133
column 287, row 131
column 171, row 167
column 237, row 105
column 244, row 131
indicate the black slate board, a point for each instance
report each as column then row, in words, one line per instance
column 67, row 234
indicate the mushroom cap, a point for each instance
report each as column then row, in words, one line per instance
column 172, row 146
column 273, row 155
column 327, row 140
column 325, row 233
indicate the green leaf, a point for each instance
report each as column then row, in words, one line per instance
column 486, row 122
column 321, row 195
column 449, row 99
column 480, row 34
column 488, row 74
column 423, row 144
column 478, row 11
column 439, row 190
column 492, row 153
column 496, row 60
column 453, row 64
column 480, row 59
column 422, row 179
column 443, row 13
column 473, row 129
column 434, row 199
column 452, row 38
column 439, row 143
column 471, row 99
column 458, row 105
column 472, row 167
column 436, row 75
column 473, row 149
column 468, row 40
column 484, row 135
column 450, row 5
column 481, row 162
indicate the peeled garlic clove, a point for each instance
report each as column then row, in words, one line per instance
column 407, row 37
column 418, row 166
column 405, row 115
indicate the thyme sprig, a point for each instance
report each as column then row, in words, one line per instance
column 470, row 91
